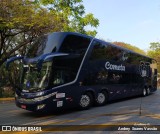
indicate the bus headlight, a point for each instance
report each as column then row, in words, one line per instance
column 39, row 93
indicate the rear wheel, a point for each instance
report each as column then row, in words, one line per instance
column 148, row 91
column 102, row 98
column 144, row 93
column 86, row 101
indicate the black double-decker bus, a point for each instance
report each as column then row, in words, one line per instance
column 66, row 69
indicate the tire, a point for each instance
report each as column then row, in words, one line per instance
column 144, row 93
column 101, row 98
column 148, row 91
column 86, row 101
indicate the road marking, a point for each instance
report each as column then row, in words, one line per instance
column 51, row 122
column 15, row 111
column 39, row 119
column 155, row 116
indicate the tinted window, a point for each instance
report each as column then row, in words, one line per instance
column 37, row 46
column 119, row 78
column 134, row 58
column 105, row 51
column 105, row 77
column 75, row 44
column 114, row 53
column 98, row 51
column 96, row 77
column 64, row 71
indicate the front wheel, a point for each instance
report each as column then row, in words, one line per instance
column 86, row 101
column 101, row 98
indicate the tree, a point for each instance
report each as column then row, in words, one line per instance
column 154, row 52
column 23, row 21
column 130, row 47
column 155, row 46
column 74, row 12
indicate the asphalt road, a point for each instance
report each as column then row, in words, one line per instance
column 123, row 112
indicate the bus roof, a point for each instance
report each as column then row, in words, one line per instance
column 123, row 48
column 74, row 33
column 109, row 43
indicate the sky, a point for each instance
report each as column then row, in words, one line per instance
column 136, row 22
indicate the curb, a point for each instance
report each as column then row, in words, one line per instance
column 2, row 100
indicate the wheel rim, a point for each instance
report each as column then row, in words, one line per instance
column 144, row 92
column 101, row 98
column 85, row 101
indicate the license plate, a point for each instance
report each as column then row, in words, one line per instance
column 23, row 106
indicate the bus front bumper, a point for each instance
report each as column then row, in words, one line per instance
column 41, row 106
column 50, row 104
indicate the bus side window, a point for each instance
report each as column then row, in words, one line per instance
column 98, row 51
column 104, row 51
column 119, row 78
column 114, row 78
column 102, row 77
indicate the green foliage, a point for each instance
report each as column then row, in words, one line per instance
column 155, row 46
column 3, row 79
column 73, row 12
column 154, row 52
column 130, row 47
column 21, row 21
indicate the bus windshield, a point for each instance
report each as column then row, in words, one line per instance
column 50, row 61
column 34, row 80
column 54, row 73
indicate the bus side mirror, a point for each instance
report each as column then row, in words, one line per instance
column 11, row 60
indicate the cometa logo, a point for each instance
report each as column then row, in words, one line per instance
column 110, row 66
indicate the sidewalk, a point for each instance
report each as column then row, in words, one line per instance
column 2, row 100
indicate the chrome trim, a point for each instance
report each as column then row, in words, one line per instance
column 34, row 100
column 54, row 55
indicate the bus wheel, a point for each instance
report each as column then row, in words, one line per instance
column 101, row 98
column 148, row 91
column 86, row 101
column 144, row 92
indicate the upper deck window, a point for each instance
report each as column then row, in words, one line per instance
column 103, row 51
column 37, row 47
column 75, row 44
